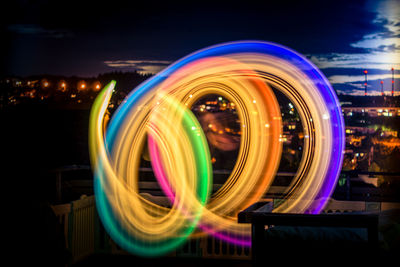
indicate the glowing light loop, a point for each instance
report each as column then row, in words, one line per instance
column 157, row 113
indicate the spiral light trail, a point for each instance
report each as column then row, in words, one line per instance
column 158, row 112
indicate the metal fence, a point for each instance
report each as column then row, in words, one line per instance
column 85, row 235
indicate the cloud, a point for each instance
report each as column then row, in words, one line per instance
column 388, row 20
column 360, row 78
column 355, row 71
column 387, row 48
column 379, row 51
column 354, row 85
column 360, row 92
column 141, row 66
column 34, row 29
column 384, row 59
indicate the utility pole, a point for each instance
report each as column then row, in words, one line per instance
column 365, row 83
column 392, row 82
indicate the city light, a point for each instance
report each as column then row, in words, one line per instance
column 96, row 86
column 62, row 86
column 81, row 86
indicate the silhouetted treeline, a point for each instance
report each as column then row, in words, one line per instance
column 369, row 101
column 61, row 92
column 126, row 81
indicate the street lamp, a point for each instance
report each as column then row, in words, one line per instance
column 81, row 85
column 63, row 86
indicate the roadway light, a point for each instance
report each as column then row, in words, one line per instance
column 96, row 86
column 81, row 85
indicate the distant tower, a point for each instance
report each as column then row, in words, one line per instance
column 392, row 82
column 381, row 88
column 365, row 83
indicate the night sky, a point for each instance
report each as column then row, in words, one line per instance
column 85, row 38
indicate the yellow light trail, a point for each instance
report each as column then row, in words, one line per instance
column 158, row 112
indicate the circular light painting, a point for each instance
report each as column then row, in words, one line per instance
column 157, row 114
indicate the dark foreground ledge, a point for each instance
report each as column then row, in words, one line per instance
column 355, row 235
column 131, row 260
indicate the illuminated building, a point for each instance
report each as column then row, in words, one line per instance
column 372, row 111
